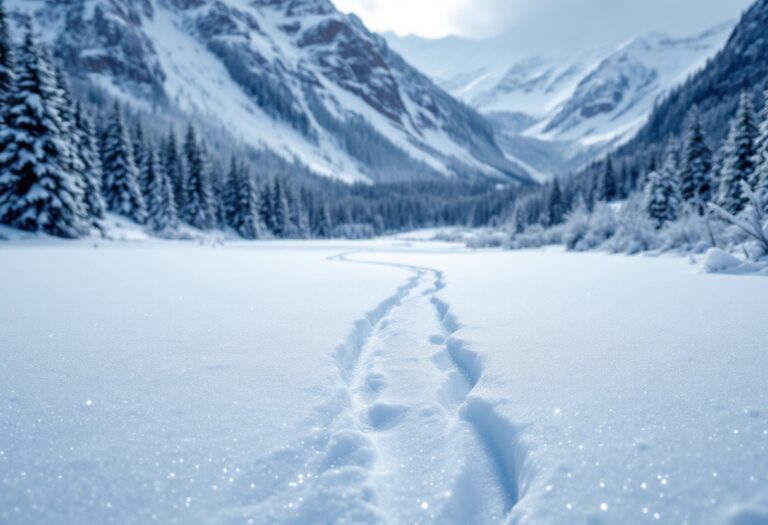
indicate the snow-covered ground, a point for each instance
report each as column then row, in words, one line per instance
column 388, row 381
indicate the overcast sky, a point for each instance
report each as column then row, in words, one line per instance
column 566, row 20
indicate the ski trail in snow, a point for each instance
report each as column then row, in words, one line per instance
column 404, row 438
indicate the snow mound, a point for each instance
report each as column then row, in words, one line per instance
column 718, row 260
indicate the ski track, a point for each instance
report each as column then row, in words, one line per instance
column 389, row 445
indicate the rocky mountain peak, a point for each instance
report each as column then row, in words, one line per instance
column 296, row 77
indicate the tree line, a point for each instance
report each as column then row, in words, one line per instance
column 687, row 177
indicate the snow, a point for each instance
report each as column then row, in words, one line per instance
column 494, row 76
column 197, row 80
column 634, row 386
column 143, row 384
column 391, row 381
column 718, row 260
column 200, row 84
column 651, row 65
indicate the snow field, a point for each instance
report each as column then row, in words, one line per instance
column 244, row 384
column 142, row 384
column 636, row 386
column 401, row 441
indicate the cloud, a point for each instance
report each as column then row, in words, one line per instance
column 429, row 18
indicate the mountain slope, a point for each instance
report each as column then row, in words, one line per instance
column 742, row 65
column 291, row 76
column 614, row 99
column 580, row 103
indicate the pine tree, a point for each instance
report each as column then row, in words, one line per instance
column 266, row 200
column 556, row 208
column 138, row 147
column 696, row 169
column 760, row 182
column 322, row 227
column 174, row 167
column 121, row 186
column 90, row 164
column 161, row 207
column 6, row 55
column 221, row 197
column 246, row 216
column 38, row 191
column 607, row 186
column 299, row 219
column 280, row 213
column 738, row 158
column 662, row 192
column 231, row 193
column 198, row 206
column 61, row 100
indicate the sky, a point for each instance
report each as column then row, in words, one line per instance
column 538, row 20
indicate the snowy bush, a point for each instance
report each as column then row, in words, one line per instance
column 692, row 233
column 452, row 235
column 752, row 223
column 635, row 230
column 587, row 231
column 576, row 228
column 536, row 236
column 488, row 239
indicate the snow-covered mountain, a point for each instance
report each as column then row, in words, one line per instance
column 295, row 77
column 579, row 102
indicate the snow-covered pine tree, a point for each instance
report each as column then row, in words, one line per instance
column 6, row 55
column 87, row 152
column 121, row 185
column 280, row 212
column 174, row 167
column 738, row 158
column 138, row 147
column 299, row 216
column 696, row 164
column 607, row 186
column 220, row 186
column 140, row 157
column 247, row 222
column 161, row 207
column 662, row 193
column 61, row 100
column 230, row 193
column 7, row 181
column 556, row 207
column 38, row 191
column 760, row 182
column 198, row 195
column 322, row 227
column 266, row 205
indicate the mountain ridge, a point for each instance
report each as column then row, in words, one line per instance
column 295, row 77
column 580, row 105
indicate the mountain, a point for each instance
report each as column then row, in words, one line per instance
column 742, row 65
column 556, row 111
column 294, row 77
